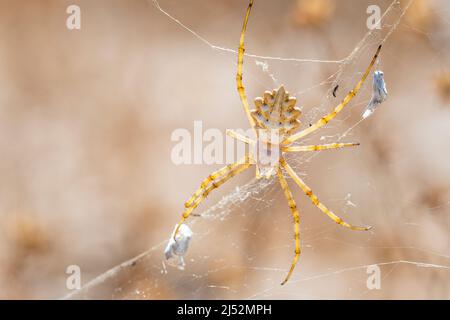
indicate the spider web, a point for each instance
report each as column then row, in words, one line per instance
column 242, row 245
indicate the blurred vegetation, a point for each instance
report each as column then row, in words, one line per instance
column 85, row 124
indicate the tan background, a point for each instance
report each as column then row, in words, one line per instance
column 86, row 176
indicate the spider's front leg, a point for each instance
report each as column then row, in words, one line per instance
column 240, row 63
column 324, row 120
column 213, row 181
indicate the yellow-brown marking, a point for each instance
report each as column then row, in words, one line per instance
column 213, row 176
column 240, row 85
column 318, row 147
column 276, row 110
column 296, row 217
column 307, row 190
column 195, row 201
column 324, row 120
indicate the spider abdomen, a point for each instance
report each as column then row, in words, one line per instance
column 276, row 111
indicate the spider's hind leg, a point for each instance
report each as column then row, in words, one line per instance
column 212, row 182
column 296, row 216
column 307, row 190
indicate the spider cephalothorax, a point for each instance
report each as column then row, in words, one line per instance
column 275, row 121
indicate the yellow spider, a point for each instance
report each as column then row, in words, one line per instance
column 275, row 112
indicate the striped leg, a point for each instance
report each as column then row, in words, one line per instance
column 195, row 201
column 319, row 147
column 240, row 85
column 296, row 217
column 324, row 120
column 307, row 190
column 240, row 137
column 213, row 176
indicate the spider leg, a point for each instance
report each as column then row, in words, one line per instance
column 296, row 216
column 240, row 85
column 213, row 176
column 318, row 147
column 324, row 120
column 240, row 137
column 205, row 190
column 307, row 190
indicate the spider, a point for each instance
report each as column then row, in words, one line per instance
column 275, row 112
